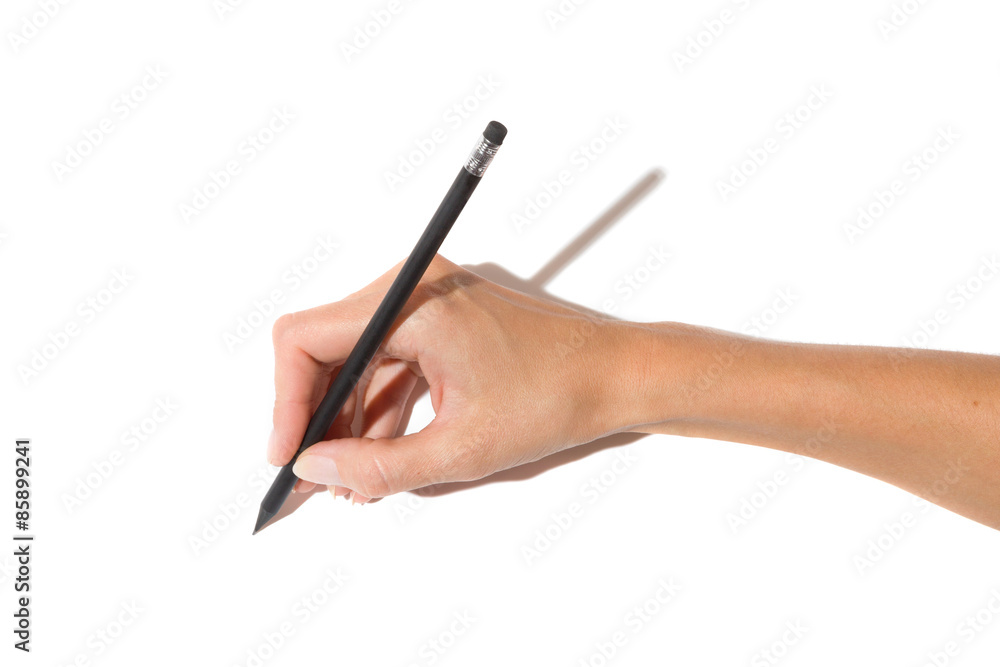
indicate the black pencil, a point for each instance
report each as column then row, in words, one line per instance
column 400, row 290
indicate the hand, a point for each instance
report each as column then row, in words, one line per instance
column 512, row 379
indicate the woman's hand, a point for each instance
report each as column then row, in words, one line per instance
column 512, row 379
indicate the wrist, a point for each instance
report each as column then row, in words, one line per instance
column 672, row 376
column 629, row 364
column 607, row 373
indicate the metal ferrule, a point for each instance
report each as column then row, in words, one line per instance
column 481, row 156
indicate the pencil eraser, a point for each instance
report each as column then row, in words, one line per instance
column 495, row 132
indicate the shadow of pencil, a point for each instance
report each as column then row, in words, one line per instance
column 294, row 502
column 536, row 286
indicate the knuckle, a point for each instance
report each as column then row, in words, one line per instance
column 440, row 265
column 376, row 476
column 282, row 327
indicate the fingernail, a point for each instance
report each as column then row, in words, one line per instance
column 317, row 469
column 270, row 448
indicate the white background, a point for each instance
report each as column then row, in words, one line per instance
column 134, row 539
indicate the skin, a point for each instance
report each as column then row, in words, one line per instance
column 514, row 378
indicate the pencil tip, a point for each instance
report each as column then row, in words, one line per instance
column 262, row 518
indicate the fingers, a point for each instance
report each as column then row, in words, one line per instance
column 375, row 468
column 300, row 384
column 311, row 344
column 341, row 428
column 300, row 380
column 385, row 398
column 307, row 346
column 302, row 486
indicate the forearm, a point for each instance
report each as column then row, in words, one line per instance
column 923, row 420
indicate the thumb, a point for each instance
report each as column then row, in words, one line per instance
column 380, row 467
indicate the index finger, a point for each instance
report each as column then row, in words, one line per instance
column 308, row 347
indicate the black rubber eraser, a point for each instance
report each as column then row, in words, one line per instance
column 495, row 133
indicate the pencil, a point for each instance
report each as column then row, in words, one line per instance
column 393, row 302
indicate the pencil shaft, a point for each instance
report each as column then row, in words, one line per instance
column 381, row 322
column 392, row 304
